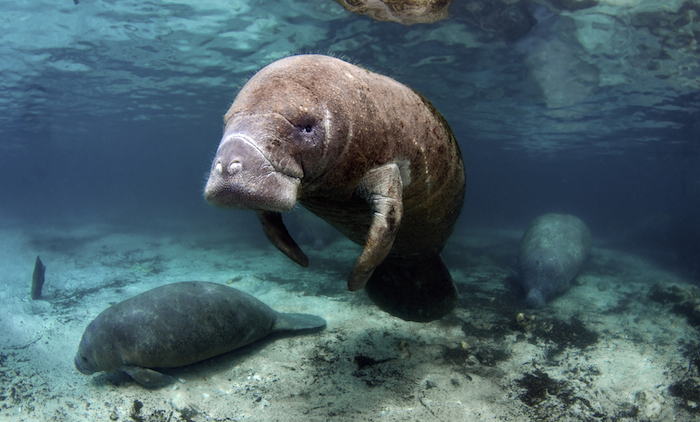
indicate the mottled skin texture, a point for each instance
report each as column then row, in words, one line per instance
column 552, row 252
column 178, row 324
column 360, row 150
column 407, row 12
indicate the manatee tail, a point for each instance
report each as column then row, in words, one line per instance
column 297, row 322
column 414, row 291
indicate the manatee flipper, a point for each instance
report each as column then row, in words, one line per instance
column 148, row 377
column 422, row 291
column 278, row 235
column 382, row 188
column 297, row 322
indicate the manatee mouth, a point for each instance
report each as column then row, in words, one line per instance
column 243, row 177
column 80, row 367
column 535, row 299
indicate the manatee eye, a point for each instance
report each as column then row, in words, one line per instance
column 308, row 129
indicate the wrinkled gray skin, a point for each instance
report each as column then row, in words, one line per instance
column 552, row 252
column 178, row 324
column 363, row 152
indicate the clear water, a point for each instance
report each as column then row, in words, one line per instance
column 111, row 111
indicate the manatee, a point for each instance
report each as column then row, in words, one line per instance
column 178, row 324
column 365, row 153
column 552, row 252
column 406, row 12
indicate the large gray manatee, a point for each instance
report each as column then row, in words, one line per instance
column 365, row 153
column 552, row 252
column 178, row 324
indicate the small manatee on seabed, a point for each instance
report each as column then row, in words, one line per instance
column 178, row 324
column 367, row 154
column 552, row 252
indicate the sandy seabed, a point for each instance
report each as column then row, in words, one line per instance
column 621, row 345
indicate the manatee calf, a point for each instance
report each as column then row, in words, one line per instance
column 178, row 324
column 365, row 153
column 552, row 251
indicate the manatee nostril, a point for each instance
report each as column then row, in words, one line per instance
column 219, row 168
column 234, row 167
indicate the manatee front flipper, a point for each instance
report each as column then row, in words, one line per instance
column 413, row 291
column 297, row 322
column 382, row 188
column 278, row 235
column 148, row 377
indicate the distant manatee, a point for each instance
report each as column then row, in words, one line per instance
column 176, row 325
column 552, row 251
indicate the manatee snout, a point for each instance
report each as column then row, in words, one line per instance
column 243, row 177
column 535, row 299
column 81, row 364
column 236, row 160
column 82, row 360
column 231, row 156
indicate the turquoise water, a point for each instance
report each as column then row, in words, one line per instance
column 110, row 115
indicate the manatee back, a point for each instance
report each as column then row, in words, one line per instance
column 174, row 325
